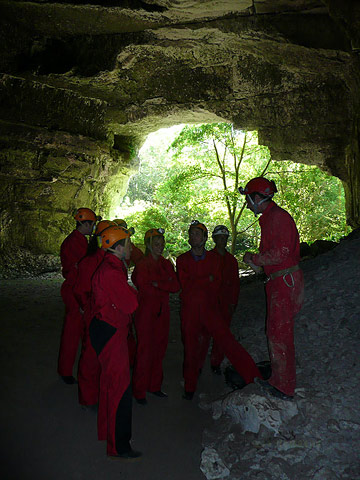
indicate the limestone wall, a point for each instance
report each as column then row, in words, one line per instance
column 81, row 85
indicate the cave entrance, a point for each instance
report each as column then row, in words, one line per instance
column 191, row 172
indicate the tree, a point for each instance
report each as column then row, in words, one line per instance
column 221, row 153
column 195, row 175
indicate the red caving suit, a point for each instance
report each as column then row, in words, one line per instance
column 227, row 296
column 135, row 257
column 89, row 366
column 113, row 301
column 152, row 320
column 201, row 319
column 72, row 250
column 280, row 249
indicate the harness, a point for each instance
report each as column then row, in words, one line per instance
column 284, row 273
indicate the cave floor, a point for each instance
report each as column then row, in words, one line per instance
column 45, row 433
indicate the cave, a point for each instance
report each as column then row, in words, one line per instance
column 84, row 83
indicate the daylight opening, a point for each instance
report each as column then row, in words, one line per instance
column 193, row 172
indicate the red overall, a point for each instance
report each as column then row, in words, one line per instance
column 227, row 296
column 112, row 303
column 280, row 249
column 72, row 250
column 135, row 257
column 89, row 367
column 200, row 319
column 152, row 322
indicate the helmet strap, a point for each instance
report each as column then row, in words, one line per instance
column 256, row 205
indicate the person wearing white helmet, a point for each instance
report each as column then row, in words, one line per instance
column 279, row 255
column 199, row 276
column 229, row 289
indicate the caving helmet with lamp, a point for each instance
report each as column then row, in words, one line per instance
column 85, row 214
column 152, row 233
column 260, row 185
column 111, row 236
column 197, row 224
column 100, row 227
column 220, row 230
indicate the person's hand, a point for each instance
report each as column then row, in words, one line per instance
column 155, row 284
column 247, row 258
column 81, row 311
column 211, row 278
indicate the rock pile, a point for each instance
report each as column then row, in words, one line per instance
column 317, row 436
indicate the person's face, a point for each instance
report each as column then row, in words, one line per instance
column 196, row 237
column 88, row 227
column 158, row 244
column 249, row 204
column 123, row 251
column 220, row 240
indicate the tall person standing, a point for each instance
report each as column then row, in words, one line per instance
column 113, row 301
column 72, row 250
column 200, row 278
column 229, row 288
column 155, row 278
column 279, row 255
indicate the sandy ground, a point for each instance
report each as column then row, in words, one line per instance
column 45, row 435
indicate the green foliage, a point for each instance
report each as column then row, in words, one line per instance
column 195, row 173
column 315, row 200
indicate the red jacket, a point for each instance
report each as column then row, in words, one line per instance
column 113, row 300
column 194, row 277
column 72, row 250
column 136, row 254
column 85, row 270
column 230, row 281
column 161, row 271
column 279, row 246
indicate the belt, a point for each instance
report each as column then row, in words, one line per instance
column 281, row 273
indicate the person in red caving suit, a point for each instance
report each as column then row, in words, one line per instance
column 135, row 257
column 229, row 289
column 113, row 301
column 279, row 255
column 72, row 250
column 89, row 367
column 200, row 279
column 155, row 278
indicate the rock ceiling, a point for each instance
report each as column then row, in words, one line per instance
column 111, row 72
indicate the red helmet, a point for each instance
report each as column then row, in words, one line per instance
column 259, row 185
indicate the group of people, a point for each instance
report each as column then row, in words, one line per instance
column 102, row 309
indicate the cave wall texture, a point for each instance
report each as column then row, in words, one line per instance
column 83, row 82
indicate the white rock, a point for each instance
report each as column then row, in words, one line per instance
column 252, row 410
column 212, row 466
